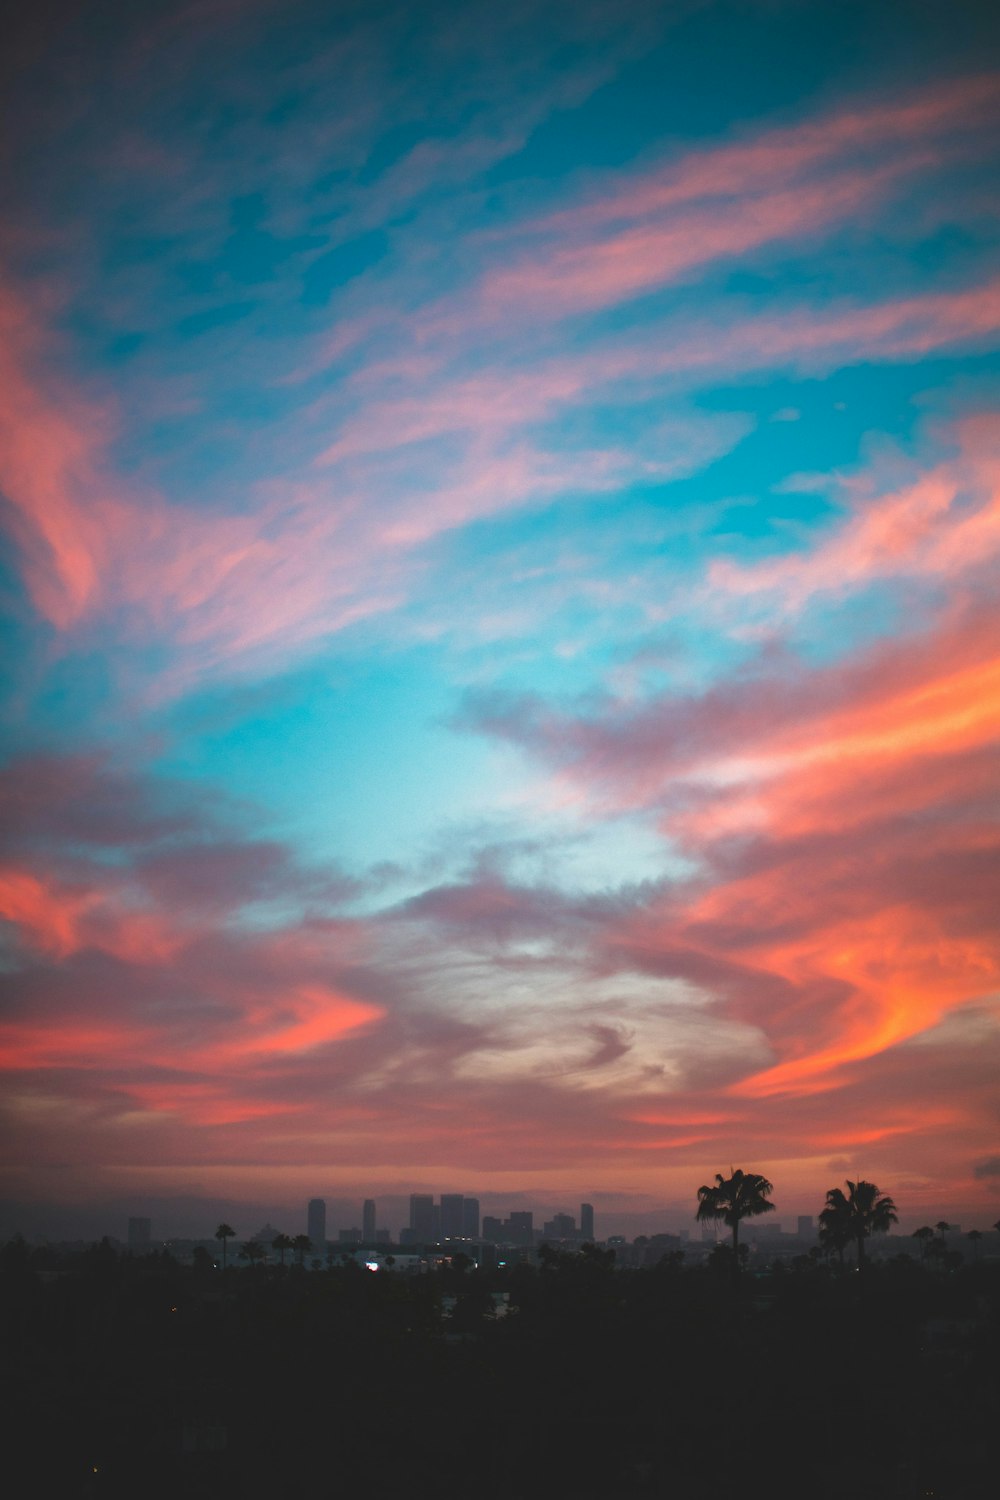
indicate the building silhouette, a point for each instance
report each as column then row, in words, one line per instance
column 560, row 1227
column 316, row 1224
column 368, row 1231
column 587, row 1222
column 139, row 1235
column 425, row 1220
column 452, row 1216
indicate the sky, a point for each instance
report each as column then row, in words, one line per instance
column 501, row 515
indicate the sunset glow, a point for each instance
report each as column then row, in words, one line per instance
column 501, row 605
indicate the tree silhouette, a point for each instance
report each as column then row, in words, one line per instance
column 862, row 1211
column 975, row 1235
column 732, row 1199
column 302, row 1244
column 834, row 1230
column 281, row 1243
column 253, row 1252
column 223, row 1233
column 924, row 1234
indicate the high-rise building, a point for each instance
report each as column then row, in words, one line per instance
column 587, row 1222
column 368, row 1221
column 560, row 1227
column 470, row 1218
column 520, row 1228
column 493, row 1229
column 139, row 1234
column 316, row 1224
column 425, row 1219
column 452, row 1217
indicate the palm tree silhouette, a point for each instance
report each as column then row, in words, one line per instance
column 223, row 1233
column 302, row 1244
column 732, row 1199
column 281, row 1243
column 975, row 1235
column 253, row 1252
column 924, row 1234
column 834, row 1229
column 862, row 1211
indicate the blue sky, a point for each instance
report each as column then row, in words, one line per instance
column 502, row 518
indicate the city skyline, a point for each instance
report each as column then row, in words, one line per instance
column 501, row 516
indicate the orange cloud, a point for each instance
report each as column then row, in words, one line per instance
column 49, row 921
column 90, row 1046
column 308, row 1017
column 63, row 919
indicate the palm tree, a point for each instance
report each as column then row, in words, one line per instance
column 223, row 1233
column 924, row 1234
column 862, row 1211
column 975, row 1235
column 281, row 1243
column 302, row 1244
column 253, row 1252
column 741, row 1196
column 834, row 1227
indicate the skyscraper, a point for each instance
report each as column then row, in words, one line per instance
column 452, row 1217
column 368, row 1221
column 559, row 1227
column 587, row 1222
column 520, row 1227
column 316, row 1224
column 470, row 1218
column 425, row 1219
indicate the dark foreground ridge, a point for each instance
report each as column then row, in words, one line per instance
column 140, row 1377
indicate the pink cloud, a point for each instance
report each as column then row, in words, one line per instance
column 841, row 819
column 942, row 525
column 730, row 200
column 51, row 450
column 65, row 919
column 645, row 257
column 774, row 157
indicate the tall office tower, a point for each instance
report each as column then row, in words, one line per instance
column 368, row 1221
column 587, row 1222
column 493, row 1230
column 470, row 1218
column 316, row 1224
column 520, row 1228
column 139, row 1234
column 425, row 1220
column 452, row 1216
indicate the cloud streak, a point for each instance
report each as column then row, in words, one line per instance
column 505, row 674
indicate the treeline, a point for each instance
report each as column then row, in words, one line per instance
column 136, row 1375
